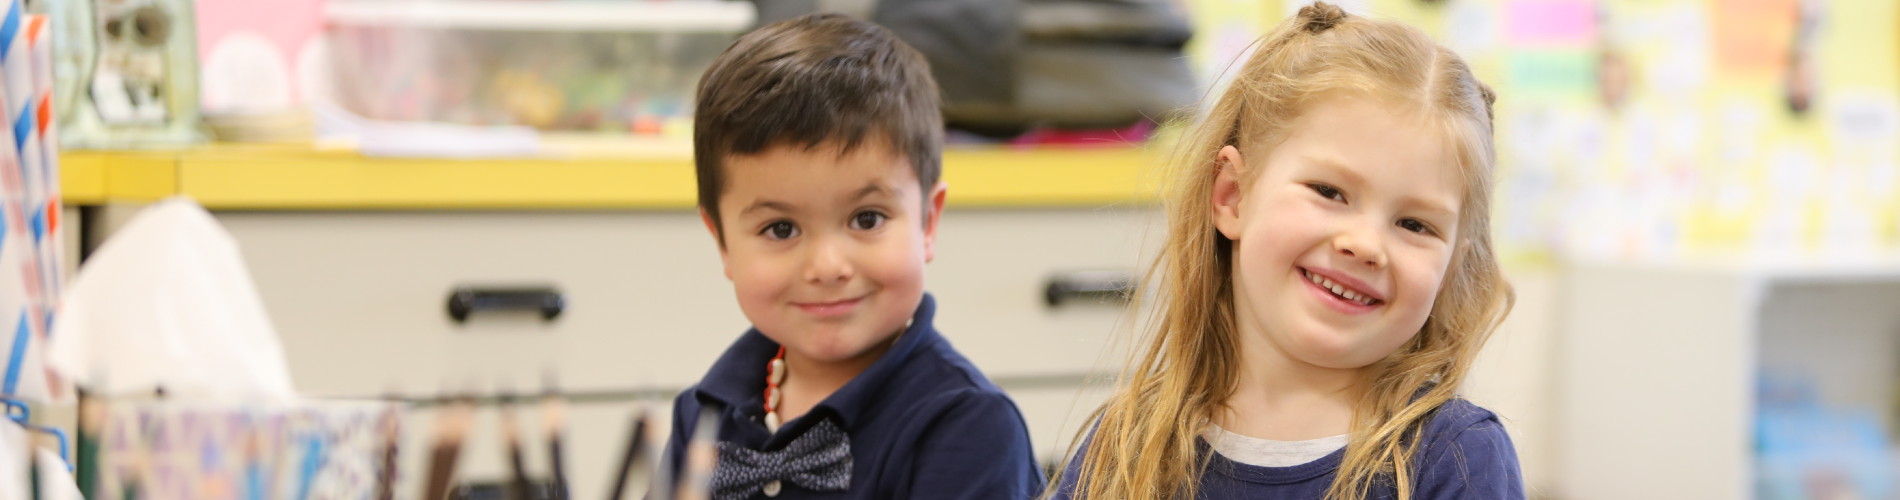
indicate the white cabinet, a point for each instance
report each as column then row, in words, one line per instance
column 1658, row 367
column 360, row 300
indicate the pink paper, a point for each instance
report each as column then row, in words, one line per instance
column 252, row 52
column 1551, row 22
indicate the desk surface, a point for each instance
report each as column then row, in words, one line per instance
column 255, row 177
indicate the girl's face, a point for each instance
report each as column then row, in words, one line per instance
column 1343, row 236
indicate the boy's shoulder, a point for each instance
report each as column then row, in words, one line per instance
column 938, row 358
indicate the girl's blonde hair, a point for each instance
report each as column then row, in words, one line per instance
column 1186, row 365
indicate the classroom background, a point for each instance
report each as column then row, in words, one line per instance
column 310, row 240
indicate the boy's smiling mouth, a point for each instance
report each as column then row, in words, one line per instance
column 829, row 308
column 1355, row 299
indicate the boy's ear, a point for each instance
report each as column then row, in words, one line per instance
column 937, row 194
column 724, row 262
column 1225, row 199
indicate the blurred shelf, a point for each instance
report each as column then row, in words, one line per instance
column 255, row 177
column 1763, row 271
column 516, row 15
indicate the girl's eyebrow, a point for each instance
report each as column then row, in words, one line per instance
column 1354, row 178
column 1432, row 207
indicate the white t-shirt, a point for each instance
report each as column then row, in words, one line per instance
column 1269, row 453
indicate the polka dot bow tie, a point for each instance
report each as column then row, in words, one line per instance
column 820, row 460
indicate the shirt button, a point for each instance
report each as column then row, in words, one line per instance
column 771, row 489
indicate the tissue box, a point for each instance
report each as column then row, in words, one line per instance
column 555, row 65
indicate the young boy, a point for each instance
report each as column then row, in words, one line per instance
column 818, row 146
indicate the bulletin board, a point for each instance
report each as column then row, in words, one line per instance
column 1766, row 130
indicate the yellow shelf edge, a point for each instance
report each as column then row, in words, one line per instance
column 285, row 178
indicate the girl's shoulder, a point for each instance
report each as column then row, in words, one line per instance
column 1465, row 452
column 1460, row 414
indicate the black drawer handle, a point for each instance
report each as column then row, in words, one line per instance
column 546, row 300
column 1093, row 286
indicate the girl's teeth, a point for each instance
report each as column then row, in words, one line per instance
column 1338, row 290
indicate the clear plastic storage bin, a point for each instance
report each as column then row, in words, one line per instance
column 569, row 65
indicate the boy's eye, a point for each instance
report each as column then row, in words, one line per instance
column 867, row 220
column 1328, row 192
column 1415, row 226
column 780, row 230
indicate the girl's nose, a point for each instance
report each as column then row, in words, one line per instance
column 1362, row 247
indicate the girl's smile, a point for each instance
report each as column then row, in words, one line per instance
column 1342, row 293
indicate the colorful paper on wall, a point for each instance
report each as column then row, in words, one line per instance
column 1546, row 72
column 1754, row 36
column 1546, row 23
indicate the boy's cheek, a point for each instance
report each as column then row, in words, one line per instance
column 755, row 278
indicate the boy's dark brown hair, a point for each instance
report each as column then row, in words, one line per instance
column 807, row 80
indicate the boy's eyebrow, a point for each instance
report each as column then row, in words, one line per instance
column 768, row 204
column 874, row 187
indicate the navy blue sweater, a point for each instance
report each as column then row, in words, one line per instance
column 923, row 422
column 1465, row 455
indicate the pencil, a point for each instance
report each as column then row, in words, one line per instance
column 636, row 445
column 452, row 427
column 701, row 456
column 386, row 477
column 511, row 434
column 554, row 415
column 92, row 422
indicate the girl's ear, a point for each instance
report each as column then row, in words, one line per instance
column 1225, row 198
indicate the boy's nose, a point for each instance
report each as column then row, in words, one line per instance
column 829, row 264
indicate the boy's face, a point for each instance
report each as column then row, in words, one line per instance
column 825, row 251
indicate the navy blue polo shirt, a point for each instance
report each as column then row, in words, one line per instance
column 1464, row 455
column 923, row 422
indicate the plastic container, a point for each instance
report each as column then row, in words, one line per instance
column 568, row 65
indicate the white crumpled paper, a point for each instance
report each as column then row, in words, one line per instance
column 167, row 302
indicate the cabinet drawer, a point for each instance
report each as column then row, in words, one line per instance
column 360, row 299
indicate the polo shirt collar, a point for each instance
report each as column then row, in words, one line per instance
column 738, row 377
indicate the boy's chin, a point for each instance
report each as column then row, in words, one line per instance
column 836, row 350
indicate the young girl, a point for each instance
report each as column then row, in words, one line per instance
column 1327, row 279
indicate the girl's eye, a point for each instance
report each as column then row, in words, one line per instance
column 1415, row 226
column 1328, row 192
column 780, row 230
column 868, row 220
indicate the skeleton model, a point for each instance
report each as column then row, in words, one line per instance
column 128, row 86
